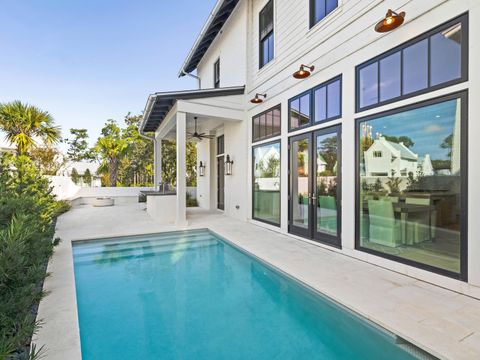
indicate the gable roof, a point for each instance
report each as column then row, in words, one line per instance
column 405, row 153
column 219, row 15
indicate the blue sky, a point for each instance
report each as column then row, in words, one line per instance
column 90, row 60
column 434, row 123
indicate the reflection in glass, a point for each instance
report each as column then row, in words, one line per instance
column 300, row 172
column 266, row 183
column 333, row 99
column 320, row 104
column 369, row 85
column 446, row 55
column 276, row 122
column 326, row 183
column 267, row 124
column 390, row 77
column 300, row 111
column 415, row 67
column 410, row 184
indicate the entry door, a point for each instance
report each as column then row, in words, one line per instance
column 221, row 172
column 315, row 181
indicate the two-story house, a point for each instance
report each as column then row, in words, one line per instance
column 311, row 81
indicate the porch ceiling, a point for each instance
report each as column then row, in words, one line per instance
column 159, row 104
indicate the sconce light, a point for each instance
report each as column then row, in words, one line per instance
column 201, row 169
column 392, row 21
column 228, row 166
column 257, row 100
column 303, row 72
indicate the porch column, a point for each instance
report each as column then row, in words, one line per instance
column 181, row 169
column 158, row 163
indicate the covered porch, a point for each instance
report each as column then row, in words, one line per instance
column 201, row 116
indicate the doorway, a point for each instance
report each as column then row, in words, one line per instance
column 221, row 172
column 315, row 185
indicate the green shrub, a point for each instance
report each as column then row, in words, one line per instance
column 191, row 201
column 27, row 214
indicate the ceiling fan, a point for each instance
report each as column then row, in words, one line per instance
column 198, row 136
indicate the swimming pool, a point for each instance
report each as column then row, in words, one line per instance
column 192, row 295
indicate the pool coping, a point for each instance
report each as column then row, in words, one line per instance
column 61, row 335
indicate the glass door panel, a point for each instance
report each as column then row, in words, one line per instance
column 300, row 170
column 327, row 185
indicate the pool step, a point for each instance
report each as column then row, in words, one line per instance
column 111, row 256
column 95, row 247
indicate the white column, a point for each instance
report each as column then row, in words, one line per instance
column 181, row 169
column 158, row 162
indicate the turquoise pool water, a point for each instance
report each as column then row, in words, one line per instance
column 193, row 296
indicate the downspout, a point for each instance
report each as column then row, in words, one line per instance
column 199, row 81
column 153, row 139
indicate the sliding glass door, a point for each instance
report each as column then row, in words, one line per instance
column 315, row 185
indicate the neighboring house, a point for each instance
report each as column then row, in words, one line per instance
column 386, row 158
column 415, row 79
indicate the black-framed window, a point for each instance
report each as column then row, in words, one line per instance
column 320, row 9
column 266, row 183
column 317, row 105
column 216, row 74
column 411, row 203
column 267, row 124
column 433, row 60
column 266, row 40
column 220, row 145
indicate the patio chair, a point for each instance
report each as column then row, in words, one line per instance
column 327, row 214
column 421, row 225
column 384, row 228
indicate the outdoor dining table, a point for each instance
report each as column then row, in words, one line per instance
column 404, row 209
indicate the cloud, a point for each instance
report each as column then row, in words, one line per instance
column 433, row 128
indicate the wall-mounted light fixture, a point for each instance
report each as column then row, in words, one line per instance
column 228, row 166
column 304, row 72
column 391, row 21
column 201, row 169
column 257, row 99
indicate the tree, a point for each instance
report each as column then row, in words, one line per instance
column 48, row 159
column 23, row 124
column 269, row 167
column 408, row 142
column 328, row 150
column 87, row 177
column 169, row 163
column 110, row 149
column 136, row 167
column 78, row 146
column 75, row 176
column 448, row 145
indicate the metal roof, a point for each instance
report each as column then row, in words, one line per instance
column 159, row 104
column 220, row 14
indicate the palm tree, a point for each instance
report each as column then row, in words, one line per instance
column 22, row 123
column 111, row 149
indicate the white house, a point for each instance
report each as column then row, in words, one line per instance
column 416, row 77
column 387, row 158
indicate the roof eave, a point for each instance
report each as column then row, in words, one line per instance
column 223, row 5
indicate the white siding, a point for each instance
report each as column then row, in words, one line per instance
column 338, row 43
column 230, row 47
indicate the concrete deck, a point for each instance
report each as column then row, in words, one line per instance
column 443, row 322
